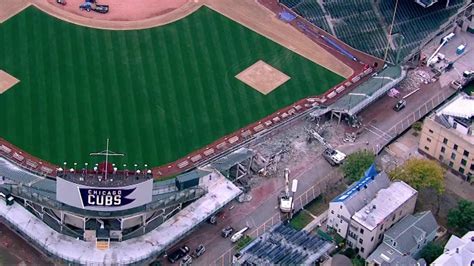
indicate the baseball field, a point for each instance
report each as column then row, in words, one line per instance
column 158, row 94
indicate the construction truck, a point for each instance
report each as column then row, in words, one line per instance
column 286, row 198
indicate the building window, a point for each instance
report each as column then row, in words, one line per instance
column 372, row 239
column 451, row 164
column 332, row 211
column 461, row 170
column 340, row 207
column 362, row 231
column 380, row 236
column 341, row 221
column 443, row 149
column 466, row 153
column 445, row 141
column 394, row 243
column 381, row 227
column 455, row 125
column 362, row 250
column 455, row 147
column 429, row 130
column 428, row 139
column 463, row 162
column 339, row 230
column 453, row 156
column 472, row 166
column 441, row 157
column 426, row 148
column 361, row 240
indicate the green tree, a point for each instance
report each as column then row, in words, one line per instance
column 431, row 252
column 356, row 164
column 461, row 219
column 421, row 174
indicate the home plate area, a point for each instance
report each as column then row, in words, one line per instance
column 262, row 77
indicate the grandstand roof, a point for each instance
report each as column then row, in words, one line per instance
column 225, row 163
column 369, row 91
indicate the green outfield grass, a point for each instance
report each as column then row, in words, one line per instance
column 158, row 93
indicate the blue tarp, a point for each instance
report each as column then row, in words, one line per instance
column 286, row 16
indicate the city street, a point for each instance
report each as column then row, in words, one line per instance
column 260, row 214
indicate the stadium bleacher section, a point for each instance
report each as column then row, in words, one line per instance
column 364, row 24
column 285, row 246
column 415, row 22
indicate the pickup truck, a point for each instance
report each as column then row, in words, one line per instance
column 334, row 157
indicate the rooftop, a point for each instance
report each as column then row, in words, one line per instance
column 461, row 106
column 384, row 204
column 407, row 233
column 357, row 195
column 458, row 251
column 369, row 91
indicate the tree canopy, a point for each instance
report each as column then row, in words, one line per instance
column 420, row 173
column 431, row 252
column 461, row 219
column 356, row 164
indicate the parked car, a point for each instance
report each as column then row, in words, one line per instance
column 86, row 6
column 187, row 260
column 101, row 9
column 227, row 231
column 199, row 251
column 400, row 105
column 178, row 254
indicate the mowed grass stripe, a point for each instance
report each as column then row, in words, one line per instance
column 155, row 95
column 147, row 94
column 158, row 93
column 169, row 99
column 133, row 116
column 212, row 100
column 186, row 95
column 41, row 132
column 224, row 90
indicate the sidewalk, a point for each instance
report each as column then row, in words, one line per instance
column 316, row 222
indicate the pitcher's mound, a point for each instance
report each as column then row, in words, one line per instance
column 262, row 77
column 6, row 81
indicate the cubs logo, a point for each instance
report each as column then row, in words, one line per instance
column 105, row 197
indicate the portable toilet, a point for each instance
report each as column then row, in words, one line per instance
column 460, row 49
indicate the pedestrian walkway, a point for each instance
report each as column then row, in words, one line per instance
column 318, row 220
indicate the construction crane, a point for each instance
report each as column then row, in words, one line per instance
column 433, row 58
column 286, row 198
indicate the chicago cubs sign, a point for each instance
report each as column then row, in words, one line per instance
column 106, row 197
column 103, row 198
